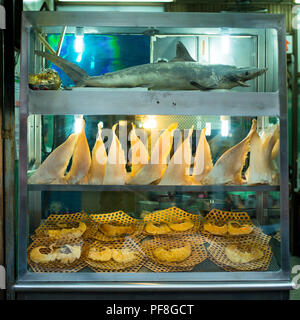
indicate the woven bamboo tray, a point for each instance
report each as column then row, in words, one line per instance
column 61, row 221
column 173, row 215
column 55, row 266
column 111, row 265
column 119, row 217
column 277, row 236
column 198, row 254
column 216, row 252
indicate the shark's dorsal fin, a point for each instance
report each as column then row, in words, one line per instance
column 181, row 53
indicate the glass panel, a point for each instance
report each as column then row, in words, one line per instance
column 151, row 193
column 212, row 207
column 248, row 57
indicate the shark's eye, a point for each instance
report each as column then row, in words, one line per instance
column 246, row 73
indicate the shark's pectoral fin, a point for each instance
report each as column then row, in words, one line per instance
column 199, row 86
column 242, row 84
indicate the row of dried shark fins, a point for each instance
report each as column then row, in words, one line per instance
column 110, row 168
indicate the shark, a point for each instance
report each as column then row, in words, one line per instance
column 180, row 73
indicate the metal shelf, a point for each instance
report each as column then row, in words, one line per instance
column 99, row 101
column 150, row 188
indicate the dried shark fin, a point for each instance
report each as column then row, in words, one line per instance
column 203, row 163
column 115, row 171
column 262, row 169
column 178, row 169
column 98, row 163
column 228, row 168
column 53, row 169
column 139, row 152
column 81, row 159
column 270, row 139
column 275, row 150
column 154, row 170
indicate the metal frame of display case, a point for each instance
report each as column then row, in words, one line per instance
column 133, row 102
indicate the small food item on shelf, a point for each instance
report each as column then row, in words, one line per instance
column 228, row 168
column 68, row 253
column 103, row 254
column 178, row 254
column 157, row 228
column 114, row 229
column 81, row 159
column 115, row 170
column 216, row 228
column 276, row 149
column 243, row 254
column 183, row 225
column 263, row 151
column 203, row 161
column 124, row 255
column 46, row 80
column 75, row 232
column 178, row 169
column 38, row 257
column 154, row 170
column 235, row 228
column 53, row 169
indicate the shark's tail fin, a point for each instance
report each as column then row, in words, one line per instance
column 77, row 74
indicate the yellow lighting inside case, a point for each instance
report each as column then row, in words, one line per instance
column 225, row 44
column 78, row 122
column 150, row 123
column 208, row 128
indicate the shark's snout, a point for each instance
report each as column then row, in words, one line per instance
column 245, row 74
column 262, row 71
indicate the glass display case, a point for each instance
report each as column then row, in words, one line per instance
column 153, row 156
